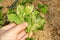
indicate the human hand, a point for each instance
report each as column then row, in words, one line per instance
column 13, row 32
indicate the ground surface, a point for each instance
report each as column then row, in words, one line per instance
column 52, row 28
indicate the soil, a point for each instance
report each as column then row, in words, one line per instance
column 52, row 27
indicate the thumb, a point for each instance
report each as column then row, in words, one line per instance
column 19, row 27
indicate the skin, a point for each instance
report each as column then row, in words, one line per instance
column 14, row 32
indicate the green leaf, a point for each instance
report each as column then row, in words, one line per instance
column 42, row 22
column 36, row 12
column 1, row 18
column 1, row 22
column 41, row 27
column 46, row 5
column 39, row 5
column 27, row 19
column 1, row 15
column 20, row 10
column 1, row 7
column 29, row 1
column 29, row 38
column 23, row 3
column 14, row 18
column 44, row 10
column 0, row 0
column 28, row 9
column 11, row 11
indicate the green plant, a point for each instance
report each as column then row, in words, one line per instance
column 24, row 2
column 43, row 8
column 0, row 0
column 1, row 17
column 29, row 38
column 27, row 14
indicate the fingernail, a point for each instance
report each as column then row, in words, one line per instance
column 25, row 24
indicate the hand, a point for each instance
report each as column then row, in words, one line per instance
column 13, row 32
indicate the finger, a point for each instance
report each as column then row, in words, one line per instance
column 21, row 35
column 7, row 27
column 19, row 28
column 24, row 38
